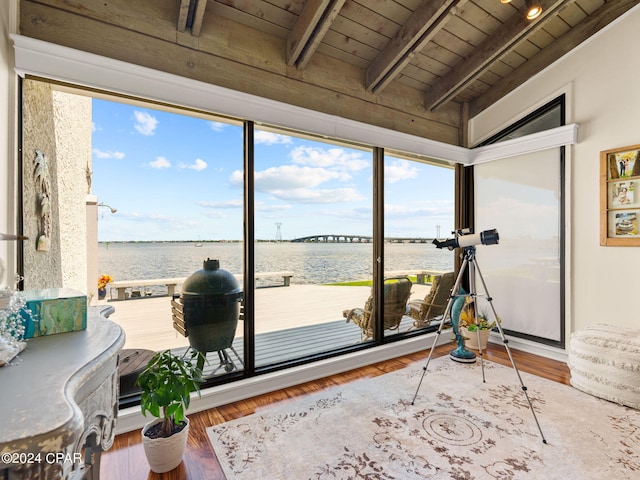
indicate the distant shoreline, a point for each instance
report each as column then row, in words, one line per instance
column 238, row 241
column 187, row 241
column 312, row 263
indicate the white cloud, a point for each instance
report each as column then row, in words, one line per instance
column 309, row 195
column 334, row 158
column 292, row 176
column 352, row 216
column 269, row 138
column 145, row 123
column 430, row 209
column 286, row 177
column 160, row 163
column 236, row 178
column 222, row 204
column 107, row 154
column 151, row 218
column 216, row 209
column 399, row 170
column 217, row 126
column 297, row 184
column 215, row 214
column 266, row 207
column 198, row 165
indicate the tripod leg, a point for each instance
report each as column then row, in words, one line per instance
column 447, row 311
column 473, row 293
column 424, row 369
column 506, row 346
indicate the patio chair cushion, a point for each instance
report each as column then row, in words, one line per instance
column 428, row 300
column 396, row 294
column 434, row 303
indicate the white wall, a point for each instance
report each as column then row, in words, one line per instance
column 8, row 22
column 600, row 79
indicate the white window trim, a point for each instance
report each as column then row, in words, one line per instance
column 55, row 62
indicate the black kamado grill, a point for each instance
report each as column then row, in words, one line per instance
column 207, row 310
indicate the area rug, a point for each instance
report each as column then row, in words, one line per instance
column 458, row 428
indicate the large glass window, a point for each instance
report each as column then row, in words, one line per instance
column 168, row 180
column 140, row 196
column 313, row 250
column 418, row 207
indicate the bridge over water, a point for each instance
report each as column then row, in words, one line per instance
column 341, row 238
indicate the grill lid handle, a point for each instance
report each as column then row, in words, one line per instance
column 211, row 264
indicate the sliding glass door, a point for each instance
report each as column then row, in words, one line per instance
column 313, row 245
column 418, row 207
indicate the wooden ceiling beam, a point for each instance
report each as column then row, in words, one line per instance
column 599, row 19
column 183, row 15
column 512, row 32
column 198, row 17
column 313, row 22
column 190, row 16
column 419, row 29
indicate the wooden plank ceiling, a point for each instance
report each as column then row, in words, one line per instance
column 463, row 51
column 420, row 66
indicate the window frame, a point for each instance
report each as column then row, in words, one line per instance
column 509, row 133
column 378, row 153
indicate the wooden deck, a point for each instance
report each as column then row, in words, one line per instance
column 282, row 345
column 290, row 322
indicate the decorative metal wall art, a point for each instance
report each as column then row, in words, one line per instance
column 42, row 180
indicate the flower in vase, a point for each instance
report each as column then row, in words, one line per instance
column 103, row 281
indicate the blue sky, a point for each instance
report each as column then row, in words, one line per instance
column 178, row 177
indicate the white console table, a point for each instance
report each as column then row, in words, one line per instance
column 58, row 405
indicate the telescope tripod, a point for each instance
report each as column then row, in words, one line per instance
column 461, row 354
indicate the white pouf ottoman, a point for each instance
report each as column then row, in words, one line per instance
column 604, row 361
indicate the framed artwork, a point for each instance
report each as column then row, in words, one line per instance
column 620, row 196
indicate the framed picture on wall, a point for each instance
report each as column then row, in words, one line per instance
column 619, row 196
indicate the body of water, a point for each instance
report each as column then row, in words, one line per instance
column 311, row 263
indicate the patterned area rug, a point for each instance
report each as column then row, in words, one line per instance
column 459, row 428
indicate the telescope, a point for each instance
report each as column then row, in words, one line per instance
column 466, row 238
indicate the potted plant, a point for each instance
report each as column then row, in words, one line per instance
column 166, row 385
column 470, row 329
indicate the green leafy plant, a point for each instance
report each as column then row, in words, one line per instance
column 166, row 384
column 468, row 320
column 483, row 323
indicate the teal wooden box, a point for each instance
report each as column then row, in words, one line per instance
column 54, row 310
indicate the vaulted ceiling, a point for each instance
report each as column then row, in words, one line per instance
column 464, row 51
column 434, row 63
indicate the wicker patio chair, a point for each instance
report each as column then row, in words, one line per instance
column 424, row 312
column 396, row 294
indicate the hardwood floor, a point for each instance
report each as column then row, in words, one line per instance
column 126, row 458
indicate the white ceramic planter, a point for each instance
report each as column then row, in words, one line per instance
column 471, row 338
column 164, row 454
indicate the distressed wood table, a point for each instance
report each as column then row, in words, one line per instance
column 59, row 403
